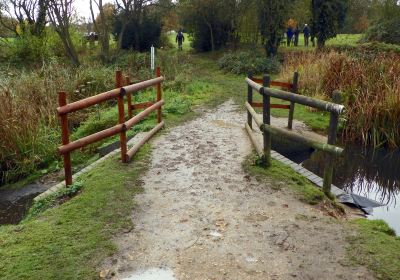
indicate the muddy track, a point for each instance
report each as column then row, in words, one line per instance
column 202, row 217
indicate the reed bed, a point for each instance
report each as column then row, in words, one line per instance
column 370, row 83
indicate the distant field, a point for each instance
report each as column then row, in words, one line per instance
column 341, row 39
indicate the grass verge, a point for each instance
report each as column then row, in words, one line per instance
column 279, row 172
column 375, row 245
column 69, row 241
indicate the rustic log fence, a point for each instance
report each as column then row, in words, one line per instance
column 291, row 87
column 123, row 88
column 264, row 124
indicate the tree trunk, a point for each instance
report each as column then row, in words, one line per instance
column 211, row 37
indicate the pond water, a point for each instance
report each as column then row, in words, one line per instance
column 367, row 172
column 14, row 203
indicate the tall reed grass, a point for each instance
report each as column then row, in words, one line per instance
column 370, row 83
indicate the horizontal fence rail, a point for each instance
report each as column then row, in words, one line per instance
column 292, row 87
column 123, row 88
column 264, row 122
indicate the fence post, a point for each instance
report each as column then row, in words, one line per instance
column 292, row 104
column 159, row 96
column 250, row 100
column 266, row 120
column 62, row 101
column 129, row 97
column 121, row 115
column 329, row 159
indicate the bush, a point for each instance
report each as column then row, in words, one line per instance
column 246, row 62
column 385, row 31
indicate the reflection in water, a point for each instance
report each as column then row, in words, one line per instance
column 371, row 173
column 367, row 172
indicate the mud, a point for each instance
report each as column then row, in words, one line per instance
column 202, row 217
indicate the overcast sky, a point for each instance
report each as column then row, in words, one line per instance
column 82, row 7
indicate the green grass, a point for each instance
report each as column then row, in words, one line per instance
column 318, row 121
column 339, row 40
column 186, row 44
column 69, row 241
column 374, row 245
column 279, row 172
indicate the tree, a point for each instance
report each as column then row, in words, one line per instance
column 138, row 23
column 211, row 22
column 103, row 25
column 29, row 15
column 272, row 21
column 386, row 22
column 60, row 14
column 328, row 17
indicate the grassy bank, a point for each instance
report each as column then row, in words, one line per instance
column 374, row 245
column 69, row 241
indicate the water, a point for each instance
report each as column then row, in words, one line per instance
column 14, row 203
column 371, row 173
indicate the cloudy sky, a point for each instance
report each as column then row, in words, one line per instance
column 83, row 8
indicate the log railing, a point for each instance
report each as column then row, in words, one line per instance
column 264, row 124
column 123, row 88
column 291, row 87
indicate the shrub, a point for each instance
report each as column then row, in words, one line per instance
column 246, row 62
column 387, row 31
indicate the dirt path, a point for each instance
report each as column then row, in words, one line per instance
column 202, row 217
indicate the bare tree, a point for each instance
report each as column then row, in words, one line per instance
column 102, row 25
column 28, row 13
column 60, row 14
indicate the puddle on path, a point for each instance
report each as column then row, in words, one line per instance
column 153, row 274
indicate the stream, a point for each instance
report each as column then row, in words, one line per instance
column 374, row 174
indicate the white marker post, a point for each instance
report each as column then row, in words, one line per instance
column 153, row 58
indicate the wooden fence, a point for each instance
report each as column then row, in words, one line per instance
column 292, row 87
column 264, row 124
column 123, row 88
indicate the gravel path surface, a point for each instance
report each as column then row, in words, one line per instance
column 202, row 217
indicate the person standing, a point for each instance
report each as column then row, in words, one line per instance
column 289, row 35
column 296, row 36
column 180, row 39
column 306, row 32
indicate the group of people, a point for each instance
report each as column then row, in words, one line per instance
column 292, row 36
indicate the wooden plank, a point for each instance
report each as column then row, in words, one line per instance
column 274, row 83
column 121, row 116
column 159, row 96
column 62, row 101
column 146, row 138
column 142, row 105
column 91, row 139
column 304, row 100
column 272, row 106
column 267, row 121
column 254, row 115
column 143, row 85
column 301, row 139
column 87, row 102
column 143, row 114
column 253, row 139
column 250, row 101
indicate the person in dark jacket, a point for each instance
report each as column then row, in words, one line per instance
column 180, row 39
column 296, row 36
column 289, row 36
column 306, row 32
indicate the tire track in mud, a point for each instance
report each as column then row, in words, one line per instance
column 202, row 217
